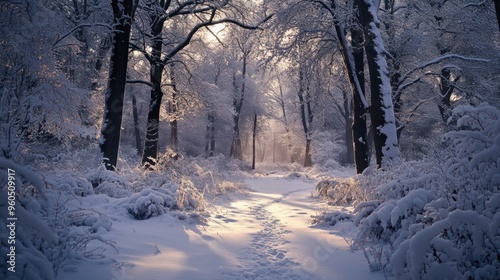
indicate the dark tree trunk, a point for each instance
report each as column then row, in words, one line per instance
column 137, row 131
column 359, row 131
column 308, row 159
column 348, row 128
column 150, row 153
column 497, row 9
column 285, row 120
column 446, row 92
column 151, row 142
column 306, row 117
column 236, row 149
column 111, row 127
column 382, row 109
column 210, row 136
column 101, row 53
column 174, row 140
column 253, row 140
column 354, row 64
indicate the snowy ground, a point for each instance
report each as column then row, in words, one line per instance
column 264, row 234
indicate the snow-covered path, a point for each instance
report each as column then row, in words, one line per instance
column 265, row 234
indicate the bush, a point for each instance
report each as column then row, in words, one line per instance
column 438, row 218
column 149, row 203
column 326, row 150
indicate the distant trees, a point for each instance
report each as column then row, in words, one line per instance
column 200, row 14
column 360, row 70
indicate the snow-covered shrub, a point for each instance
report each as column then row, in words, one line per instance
column 32, row 198
column 331, row 218
column 69, row 183
column 108, row 182
column 150, row 203
column 411, row 227
column 294, row 175
column 155, row 202
column 464, row 245
column 340, row 191
column 77, row 229
column 52, row 231
column 389, row 224
column 189, row 197
column 326, row 150
column 212, row 176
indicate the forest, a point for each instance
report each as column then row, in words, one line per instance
column 158, row 108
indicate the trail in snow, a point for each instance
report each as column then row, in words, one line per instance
column 265, row 234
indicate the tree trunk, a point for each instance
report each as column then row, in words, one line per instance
column 359, row 131
column 111, row 127
column 174, row 140
column 308, row 159
column 236, row 150
column 354, row 64
column 395, row 68
column 446, row 92
column 253, row 140
column 306, row 120
column 137, row 131
column 382, row 109
column 285, row 120
column 497, row 9
column 150, row 153
column 211, row 118
column 210, row 136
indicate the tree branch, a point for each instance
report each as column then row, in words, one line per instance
column 439, row 59
column 140, row 82
column 195, row 29
column 141, row 50
column 80, row 26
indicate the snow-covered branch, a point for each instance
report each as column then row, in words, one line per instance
column 475, row 4
column 439, row 59
column 195, row 29
column 81, row 26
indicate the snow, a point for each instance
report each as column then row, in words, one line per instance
column 262, row 234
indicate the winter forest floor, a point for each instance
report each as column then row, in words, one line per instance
column 262, row 233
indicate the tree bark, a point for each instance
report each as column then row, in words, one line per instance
column 306, row 120
column 236, row 150
column 446, row 92
column 174, row 140
column 150, row 153
column 285, row 120
column 354, row 64
column 210, row 136
column 349, row 142
column 253, row 140
column 497, row 9
column 137, row 131
column 111, row 127
column 359, row 129
column 382, row 109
